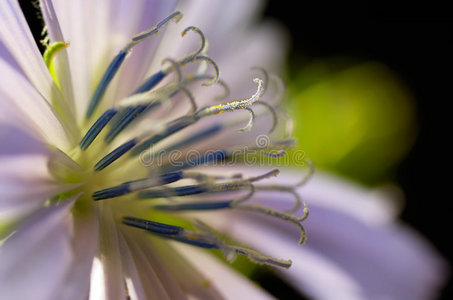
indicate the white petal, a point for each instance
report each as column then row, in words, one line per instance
column 61, row 62
column 25, row 184
column 22, row 106
column 97, row 30
column 228, row 282
column 17, row 37
column 85, row 244
column 35, row 259
column 189, row 275
column 113, row 283
column 352, row 236
column 149, row 278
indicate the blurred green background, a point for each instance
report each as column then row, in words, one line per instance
column 355, row 119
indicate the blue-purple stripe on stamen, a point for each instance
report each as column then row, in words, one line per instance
column 151, row 82
column 172, row 127
column 169, row 192
column 125, row 119
column 195, row 138
column 96, row 128
column 154, row 227
column 103, row 84
column 115, row 154
column 112, row 192
column 204, row 160
column 195, row 240
column 173, row 232
column 126, row 188
column 194, row 206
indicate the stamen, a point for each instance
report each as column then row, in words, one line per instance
column 226, row 93
column 151, row 82
column 251, row 120
column 233, row 105
column 97, row 128
column 308, row 175
column 281, row 88
column 201, row 50
column 136, row 185
column 133, row 113
column 175, row 16
column 234, row 185
column 204, row 239
column 194, row 206
column 202, row 177
column 155, row 227
column 277, row 154
column 170, row 128
column 235, row 204
column 265, row 75
column 208, row 132
column 103, row 84
column 279, row 215
column 204, row 159
column 214, row 65
column 118, row 60
column 273, row 113
column 115, row 154
column 129, row 115
column 191, row 99
column 172, row 192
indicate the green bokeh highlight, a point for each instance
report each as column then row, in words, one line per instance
column 354, row 119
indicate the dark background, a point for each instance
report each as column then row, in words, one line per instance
column 417, row 43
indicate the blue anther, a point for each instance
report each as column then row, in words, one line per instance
column 151, row 82
column 125, row 187
column 111, row 192
column 103, row 84
column 194, row 206
column 125, row 119
column 200, row 160
column 172, row 127
column 97, row 128
column 170, row 177
column 196, row 137
column 202, row 243
column 155, row 227
column 115, row 154
column 177, row 191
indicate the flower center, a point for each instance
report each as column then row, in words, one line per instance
column 108, row 164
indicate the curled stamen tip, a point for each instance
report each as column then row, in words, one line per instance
column 187, row 29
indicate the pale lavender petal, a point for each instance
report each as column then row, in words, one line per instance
column 85, row 244
column 351, row 232
column 35, row 259
column 22, row 106
column 149, row 279
column 188, row 274
column 15, row 141
column 61, row 63
column 25, row 184
column 97, row 31
column 113, row 280
column 17, row 37
column 228, row 282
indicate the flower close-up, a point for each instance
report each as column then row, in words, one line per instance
column 142, row 157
